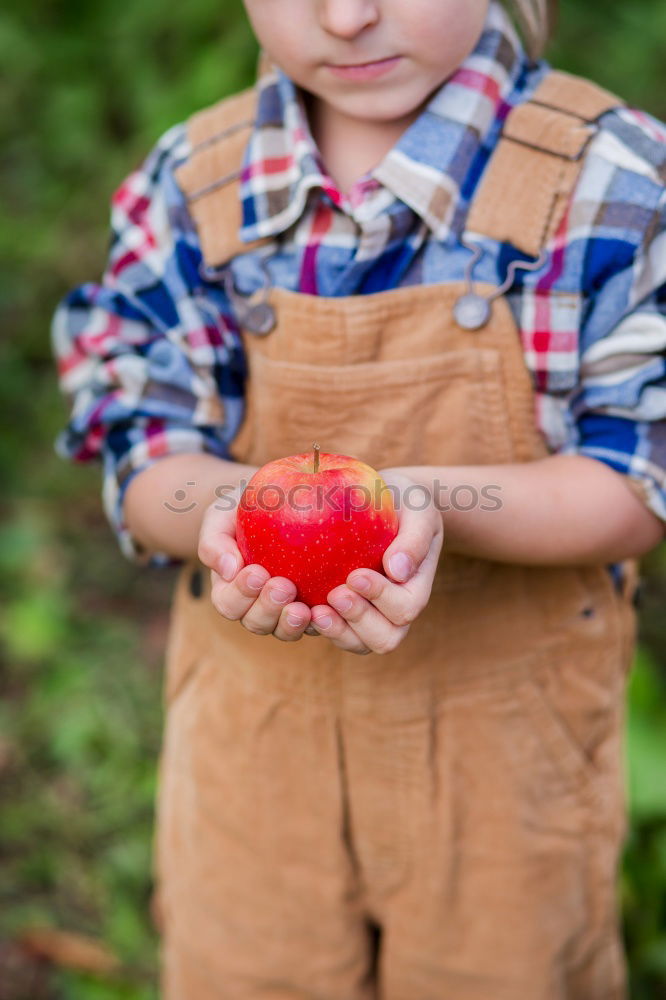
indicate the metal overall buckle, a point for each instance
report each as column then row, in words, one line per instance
column 472, row 310
column 258, row 318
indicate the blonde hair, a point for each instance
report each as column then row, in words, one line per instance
column 536, row 22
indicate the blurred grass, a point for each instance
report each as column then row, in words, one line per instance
column 86, row 90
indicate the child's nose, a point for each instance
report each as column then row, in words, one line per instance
column 347, row 18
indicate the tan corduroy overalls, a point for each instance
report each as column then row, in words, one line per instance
column 442, row 822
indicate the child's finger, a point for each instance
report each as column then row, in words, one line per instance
column 410, row 546
column 329, row 623
column 294, row 619
column 238, row 599
column 399, row 603
column 369, row 625
column 233, row 600
column 420, row 584
column 263, row 615
column 217, row 538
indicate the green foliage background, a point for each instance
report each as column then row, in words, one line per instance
column 86, row 89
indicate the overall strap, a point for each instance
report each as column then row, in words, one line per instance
column 520, row 198
column 210, row 177
column 532, row 172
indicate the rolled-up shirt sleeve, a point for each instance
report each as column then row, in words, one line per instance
column 617, row 413
column 149, row 358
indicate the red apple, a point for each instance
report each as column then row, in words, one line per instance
column 314, row 518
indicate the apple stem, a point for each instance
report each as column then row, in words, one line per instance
column 316, row 456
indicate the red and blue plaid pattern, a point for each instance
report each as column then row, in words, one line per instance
column 151, row 357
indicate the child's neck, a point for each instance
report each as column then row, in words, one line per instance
column 348, row 146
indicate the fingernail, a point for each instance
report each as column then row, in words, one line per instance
column 228, row 566
column 255, row 581
column 324, row 622
column 361, row 583
column 341, row 603
column 401, row 566
column 296, row 622
column 279, row 596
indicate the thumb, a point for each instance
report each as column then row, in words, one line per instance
column 410, row 546
column 217, row 546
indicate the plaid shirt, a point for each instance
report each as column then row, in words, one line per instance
column 151, row 357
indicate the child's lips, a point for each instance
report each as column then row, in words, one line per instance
column 365, row 71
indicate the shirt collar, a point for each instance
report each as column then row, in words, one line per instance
column 430, row 166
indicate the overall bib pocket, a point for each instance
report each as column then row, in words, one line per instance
column 388, row 413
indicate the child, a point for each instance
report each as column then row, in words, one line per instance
column 418, row 244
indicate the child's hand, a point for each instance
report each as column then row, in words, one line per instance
column 263, row 604
column 378, row 619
